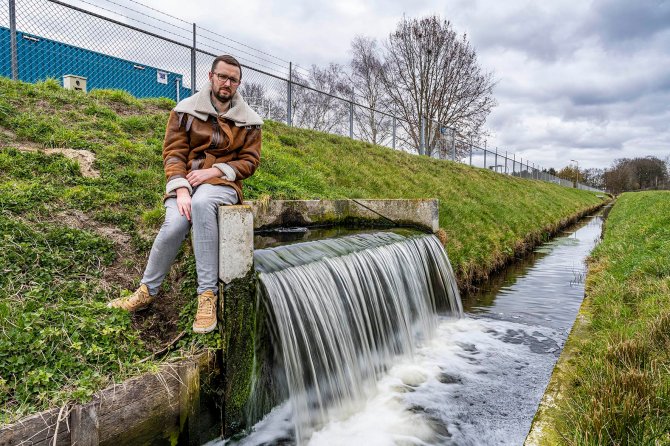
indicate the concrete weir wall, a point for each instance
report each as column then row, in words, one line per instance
column 238, row 305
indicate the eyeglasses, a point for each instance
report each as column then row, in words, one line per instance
column 223, row 79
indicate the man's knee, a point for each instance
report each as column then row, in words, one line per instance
column 202, row 205
column 175, row 227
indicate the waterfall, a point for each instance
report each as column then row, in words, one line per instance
column 342, row 310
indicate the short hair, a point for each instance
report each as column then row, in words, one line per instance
column 230, row 60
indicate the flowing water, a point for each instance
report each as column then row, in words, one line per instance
column 369, row 362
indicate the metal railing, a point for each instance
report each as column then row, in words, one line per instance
column 149, row 53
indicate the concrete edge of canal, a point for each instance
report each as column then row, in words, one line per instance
column 542, row 431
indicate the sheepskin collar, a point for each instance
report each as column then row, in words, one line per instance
column 200, row 106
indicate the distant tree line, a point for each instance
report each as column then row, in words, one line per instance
column 424, row 74
column 637, row 174
column 626, row 174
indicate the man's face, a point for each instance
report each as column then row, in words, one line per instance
column 224, row 79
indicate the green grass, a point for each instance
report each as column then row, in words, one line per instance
column 71, row 243
column 613, row 384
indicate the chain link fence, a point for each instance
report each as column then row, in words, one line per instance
column 152, row 54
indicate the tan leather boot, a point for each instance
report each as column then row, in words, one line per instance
column 205, row 318
column 137, row 301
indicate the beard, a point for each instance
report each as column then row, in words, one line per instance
column 223, row 94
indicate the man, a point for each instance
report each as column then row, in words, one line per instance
column 212, row 143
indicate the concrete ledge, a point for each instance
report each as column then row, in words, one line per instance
column 419, row 213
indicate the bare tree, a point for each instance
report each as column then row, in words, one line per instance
column 258, row 99
column 433, row 79
column 593, row 177
column 368, row 90
column 298, row 96
column 316, row 110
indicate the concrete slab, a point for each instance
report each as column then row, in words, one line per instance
column 236, row 242
column 420, row 213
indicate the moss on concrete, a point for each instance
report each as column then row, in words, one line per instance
column 239, row 322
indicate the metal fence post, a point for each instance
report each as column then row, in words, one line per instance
column 12, row 40
column 421, row 135
column 394, row 131
column 485, row 154
column 351, row 120
column 505, row 162
column 495, row 164
column 176, row 82
column 193, row 55
column 289, row 94
column 453, row 144
column 470, row 151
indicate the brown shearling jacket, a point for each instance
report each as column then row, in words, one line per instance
column 197, row 137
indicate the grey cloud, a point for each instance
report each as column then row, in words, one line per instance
column 625, row 20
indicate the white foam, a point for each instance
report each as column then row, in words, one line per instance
column 477, row 382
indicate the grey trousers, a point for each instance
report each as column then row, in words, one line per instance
column 204, row 212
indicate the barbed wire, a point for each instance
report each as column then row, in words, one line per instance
column 244, row 45
column 247, row 53
column 159, row 11
column 134, row 19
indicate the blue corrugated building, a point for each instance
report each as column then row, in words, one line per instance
column 41, row 58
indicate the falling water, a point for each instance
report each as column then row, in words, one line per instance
column 477, row 381
column 344, row 310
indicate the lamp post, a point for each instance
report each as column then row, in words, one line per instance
column 577, row 164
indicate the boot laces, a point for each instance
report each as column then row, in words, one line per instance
column 205, row 307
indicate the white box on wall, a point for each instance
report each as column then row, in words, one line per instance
column 74, row 82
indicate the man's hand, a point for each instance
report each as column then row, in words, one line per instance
column 197, row 177
column 184, row 202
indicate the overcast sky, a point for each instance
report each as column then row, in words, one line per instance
column 583, row 80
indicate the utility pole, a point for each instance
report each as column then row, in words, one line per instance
column 577, row 164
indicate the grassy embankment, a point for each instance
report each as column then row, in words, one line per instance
column 71, row 242
column 612, row 382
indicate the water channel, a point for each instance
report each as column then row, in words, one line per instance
column 479, row 379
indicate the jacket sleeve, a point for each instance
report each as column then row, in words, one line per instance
column 249, row 155
column 175, row 154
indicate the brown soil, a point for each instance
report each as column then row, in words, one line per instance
column 83, row 157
